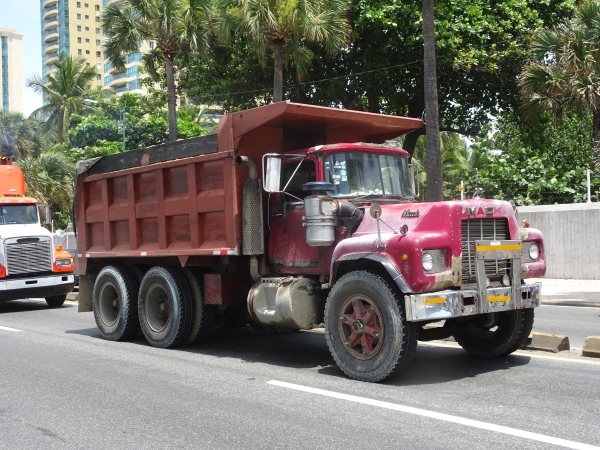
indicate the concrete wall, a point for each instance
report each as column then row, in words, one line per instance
column 571, row 238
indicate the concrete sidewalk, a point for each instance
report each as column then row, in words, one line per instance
column 569, row 292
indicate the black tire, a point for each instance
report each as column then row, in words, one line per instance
column 204, row 315
column 382, row 348
column 56, row 300
column 114, row 301
column 506, row 334
column 165, row 307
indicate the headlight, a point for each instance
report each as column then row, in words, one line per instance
column 427, row 262
column 64, row 262
column 534, row 251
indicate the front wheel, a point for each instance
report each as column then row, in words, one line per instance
column 56, row 300
column 366, row 328
column 497, row 335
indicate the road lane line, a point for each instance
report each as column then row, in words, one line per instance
column 439, row 416
column 9, row 329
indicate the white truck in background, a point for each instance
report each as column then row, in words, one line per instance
column 31, row 266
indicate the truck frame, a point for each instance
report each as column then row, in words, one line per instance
column 292, row 216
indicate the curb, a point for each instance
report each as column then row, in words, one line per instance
column 591, row 347
column 547, row 342
column 589, row 304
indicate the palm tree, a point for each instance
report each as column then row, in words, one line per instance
column 456, row 161
column 177, row 27
column 283, row 27
column 64, row 92
column 19, row 137
column 433, row 162
column 50, row 180
column 564, row 74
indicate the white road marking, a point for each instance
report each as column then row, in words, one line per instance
column 9, row 329
column 439, row 416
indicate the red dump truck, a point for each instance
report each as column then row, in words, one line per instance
column 300, row 216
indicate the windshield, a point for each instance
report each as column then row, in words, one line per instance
column 356, row 174
column 10, row 214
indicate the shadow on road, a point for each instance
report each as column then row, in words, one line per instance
column 28, row 305
column 308, row 350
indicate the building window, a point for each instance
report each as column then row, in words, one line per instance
column 87, row 64
column 79, row 40
column 97, row 7
column 79, row 16
column 87, row 28
column 97, row 18
column 87, row 17
column 87, row 52
column 151, row 45
column 79, row 51
column 97, row 30
column 87, row 5
column 98, row 77
column 79, row 4
column 87, row 41
column 78, row 27
column 98, row 42
column 98, row 54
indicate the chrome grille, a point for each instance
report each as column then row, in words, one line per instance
column 482, row 229
column 28, row 257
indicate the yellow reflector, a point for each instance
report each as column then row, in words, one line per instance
column 499, row 298
column 495, row 248
column 432, row 300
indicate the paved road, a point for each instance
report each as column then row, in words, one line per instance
column 62, row 386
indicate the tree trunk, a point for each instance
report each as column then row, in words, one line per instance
column 278, row 77
column 596, row 123
column 171, row 100
column 433, row 159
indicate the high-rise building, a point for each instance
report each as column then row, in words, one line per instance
column 74, row 27
column 128, row 79
column 11, row 70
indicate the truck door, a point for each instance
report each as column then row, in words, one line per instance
column 287, row 248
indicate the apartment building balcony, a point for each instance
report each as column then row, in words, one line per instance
column 51, row 49
column 51, row 37
column 51, row 24
column 51, row 14
column 50, row 4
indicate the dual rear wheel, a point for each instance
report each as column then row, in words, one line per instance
column 167, row 303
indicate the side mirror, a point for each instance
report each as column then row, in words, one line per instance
column 272, row 173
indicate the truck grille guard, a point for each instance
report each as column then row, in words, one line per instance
column 488, row 255
column 483, row 229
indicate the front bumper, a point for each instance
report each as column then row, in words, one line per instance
column 450, row 304
column 36, row 287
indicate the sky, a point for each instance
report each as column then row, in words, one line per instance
column 24, row 15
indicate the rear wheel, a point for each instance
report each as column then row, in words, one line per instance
column 165, row 307
column 204, row 315
column 114, row 301
column 499, row 334
column 366, row 328
column 56, row 300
